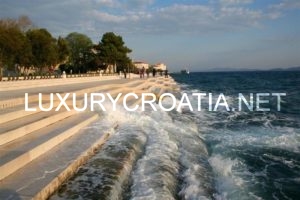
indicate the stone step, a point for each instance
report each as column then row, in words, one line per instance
column 19, row 111
column 41, row 177
column 17, row 128
column 13, row 102
column 16, row 112
column 23, row 150
column 10, row 115
column 6, row 86
column 36, row 148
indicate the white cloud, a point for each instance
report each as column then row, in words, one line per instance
column 106, row 17
column 108, row 3
column 235, row 2
column 185, row 19
column 287, row 4
column 240, row 14
column 177, row 18
column 134, row 16
column 124, row 4
column 139, row 3
column 277, row 10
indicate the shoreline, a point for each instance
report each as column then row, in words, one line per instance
column 24, row 163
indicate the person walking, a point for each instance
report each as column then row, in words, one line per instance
column 143, row 72
column 140, row 72
column 153, row 72
column 166, row 73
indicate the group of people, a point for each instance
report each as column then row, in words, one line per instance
column 142, row 73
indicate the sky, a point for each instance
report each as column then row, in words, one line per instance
column 196, row 34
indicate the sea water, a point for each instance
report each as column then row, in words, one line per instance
column 253, row 155
column 200, row 154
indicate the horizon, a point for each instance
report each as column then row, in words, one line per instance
column 239, row 34
column 254, row 69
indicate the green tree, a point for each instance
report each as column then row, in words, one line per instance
column 80, row 46
column 44, row 48
column 112, row 51
column 15, row 48
column 63, row 49
column 24, row 55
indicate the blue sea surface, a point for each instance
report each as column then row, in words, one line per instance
column 253, row 154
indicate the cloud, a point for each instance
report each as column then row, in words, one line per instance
column 138, row 3
column 146, row 16
column 124, row 4
column 180, row 18
column 107, row 3
column 240, row 16
column 106, row 17
column 276, row 11
column 235, row 2
column 286, row 5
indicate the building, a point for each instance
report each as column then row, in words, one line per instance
column 160, row 66
column 140, row 65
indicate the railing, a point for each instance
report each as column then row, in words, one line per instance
column 33, row 77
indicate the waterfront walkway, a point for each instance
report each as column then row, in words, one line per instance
column 39, row 150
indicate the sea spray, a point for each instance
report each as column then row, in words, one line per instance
column 155, row 175
column 196, row 174
column 171, row 163
column 175, row 155
column 106, row 175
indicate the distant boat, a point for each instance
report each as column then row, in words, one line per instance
column 185, row 71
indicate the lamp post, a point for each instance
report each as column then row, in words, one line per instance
column 128, row 71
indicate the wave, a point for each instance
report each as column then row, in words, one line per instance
column 253, row 155
column 152, row 155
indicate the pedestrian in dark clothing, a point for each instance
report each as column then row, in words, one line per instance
column 143, row 72
column 166, row 73
column 153, row 72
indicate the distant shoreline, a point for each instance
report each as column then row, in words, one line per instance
column 290, row 69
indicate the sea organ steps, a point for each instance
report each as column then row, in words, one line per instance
column 26, row 138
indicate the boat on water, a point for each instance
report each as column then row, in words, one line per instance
column 185, row 71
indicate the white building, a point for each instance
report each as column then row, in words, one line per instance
column 160, row 66
column 140, row 65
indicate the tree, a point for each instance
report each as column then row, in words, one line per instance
column 112, row 50
column 24, row 56
column 80, row 46
column 63, row 49
column 15, row 48
column 44, row 48
column 24, row 23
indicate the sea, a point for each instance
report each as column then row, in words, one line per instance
column 201, row 154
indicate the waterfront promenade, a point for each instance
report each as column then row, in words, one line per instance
column 39, row 150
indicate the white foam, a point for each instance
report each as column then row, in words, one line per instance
column 164, row 135
column 287, row 139
column 161, row 153
column 221, row 165
column 228, row 180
